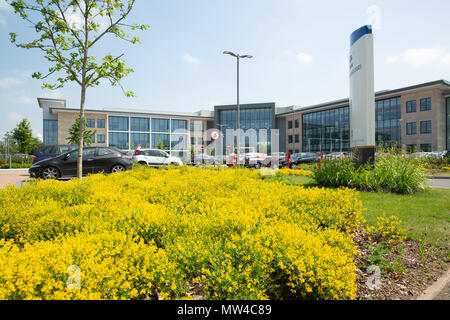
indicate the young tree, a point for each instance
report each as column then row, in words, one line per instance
column 74, row 133
column 67, row 33
column 23, row 136
column 160, row 144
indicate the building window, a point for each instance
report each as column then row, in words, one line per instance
column 425, row 127
column 290, row 124
column 411, row 148
column 297, row 138
column 200, row 141
column 326, row 131
column 426, row 147
column 101, row 138
column 164, row 138
column 50, row 132
column 160, row 125
column 388, row 113
column 118, row 124
column 90, row 123
column 193, row 140
column 100, row 123
column 297, row 123
column 179, row 125
column 93, row 138
column 289, row 139
column 425, row 104
column 119, row 140
column 411, row 106
column 411, row 128
column 142, row 139
column 140, row 124
column 196, row 126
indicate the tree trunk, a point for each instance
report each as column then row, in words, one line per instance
column 81, row 131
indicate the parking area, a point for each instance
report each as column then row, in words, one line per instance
column 12, row 176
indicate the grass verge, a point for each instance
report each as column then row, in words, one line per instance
column 426, row 215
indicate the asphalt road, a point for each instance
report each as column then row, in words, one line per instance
column 439, row 183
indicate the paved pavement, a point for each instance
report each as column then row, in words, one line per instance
column 439, row 183
column 12, row 176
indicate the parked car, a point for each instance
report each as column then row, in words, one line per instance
column 51, row 151
column 155, row 157
column 205, row 159
column 299, row 158
column 256, row 160
column 95, row 160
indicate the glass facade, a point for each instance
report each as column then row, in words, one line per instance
column 50, row 132
column 118, row 123
column 119, row 140
column 326, row 131
column 127, row 132
column 160, row 125
column 142, row 139
column 165, row 139
column 387, row 122
column 250, row 118
column 140, row 124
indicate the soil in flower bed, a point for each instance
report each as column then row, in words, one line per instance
column 407, row 269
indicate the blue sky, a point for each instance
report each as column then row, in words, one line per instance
column 300, row 51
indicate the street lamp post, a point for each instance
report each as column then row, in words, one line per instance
column 238, row 57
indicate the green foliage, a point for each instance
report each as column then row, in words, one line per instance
column 391, row 173
column 23, row 136
column 74, row 133
column 160, row 144
column 66, row 44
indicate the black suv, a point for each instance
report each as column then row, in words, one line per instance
column 51, row 151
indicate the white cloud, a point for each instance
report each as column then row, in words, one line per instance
column 418, row 57
column 304, row 58
column 14, row 116
column 8, row 82
column 190, row 59
column 4, row 6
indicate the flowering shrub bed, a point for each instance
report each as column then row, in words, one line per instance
column 177, row 233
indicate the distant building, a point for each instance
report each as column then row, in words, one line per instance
column 415, row 117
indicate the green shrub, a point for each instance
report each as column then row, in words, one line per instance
column 391, row 173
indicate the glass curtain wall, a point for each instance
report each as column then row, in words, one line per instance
column 127, row 133
column 50, row 132
column 388, row 125
column 250, row 118
column 326, row 131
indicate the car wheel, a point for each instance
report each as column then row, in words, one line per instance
column 257, row 165
column 143, row 163
column 50, row 173
column 118, row 168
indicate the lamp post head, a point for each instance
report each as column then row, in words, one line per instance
column 230, row 53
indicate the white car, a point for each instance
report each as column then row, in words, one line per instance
column 155, row 157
